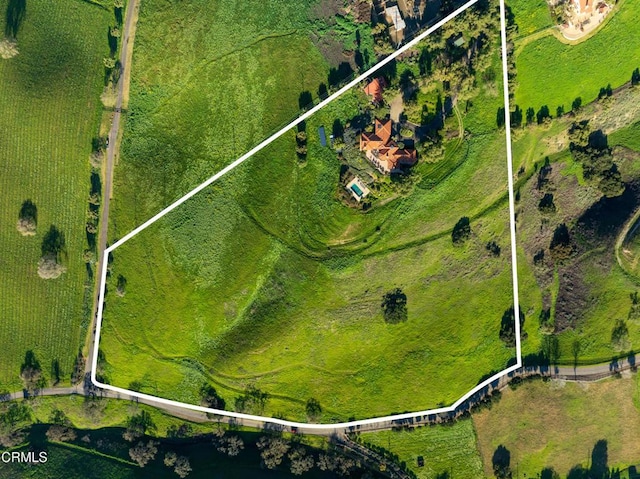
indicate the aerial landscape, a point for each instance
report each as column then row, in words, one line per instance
column 328, row 238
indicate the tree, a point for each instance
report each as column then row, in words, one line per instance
column 143, row 453
column 272, row 450
column 531, row 114
column 209, row 397
column 57, row 433
column 502, row 463
column 461, row 231
column 508, row 327
column 138, row 425
column 493, row 248
column 182, row 466
column 28, row 218
column 53, row 245
column 561, row 246
column 546, row 204
column 543, row 114
column 611, row 184
column 635, row 77
column 252, row 401
column 300, row 461
column 577, row 104
column 620, row 335
column 313, row 409
column 500, row 117
column 31, row 373
column 109, row 63
column 170, row 458
column 394, row 306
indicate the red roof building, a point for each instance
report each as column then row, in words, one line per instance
column 382, row 151
column 375, row 88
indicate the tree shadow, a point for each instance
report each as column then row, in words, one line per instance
column 305, row 100
column 29, row 211
column 16, row 12
column 599, row 461
column 53, row 242
column 340, row 74
column 578, row 472
column 501, row 462
column 549, row 473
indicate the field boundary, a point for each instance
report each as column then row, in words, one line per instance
column 362, row 422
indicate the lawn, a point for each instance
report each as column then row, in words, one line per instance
column 49, row 112
column 530, row 16
column 553, row 73
column 210, row 80
column 446, row 449
column 556, row 425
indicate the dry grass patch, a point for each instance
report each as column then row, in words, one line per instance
column 551, row 424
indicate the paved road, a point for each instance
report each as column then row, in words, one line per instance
column 108, row 171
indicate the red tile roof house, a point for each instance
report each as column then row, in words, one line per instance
column 583, row 6
column 383, row 152
column 374, row 89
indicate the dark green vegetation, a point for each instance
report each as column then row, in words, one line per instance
column 554, row 74
column 211, row 79
column 271, row 288
column 49, row 112
column 87, row 438
column 581, row 251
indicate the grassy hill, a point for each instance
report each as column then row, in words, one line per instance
column 268, row 280
column 49, row 112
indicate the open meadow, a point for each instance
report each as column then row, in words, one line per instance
column 49, row 112
column 554, row 74
column 272, row 281
column 211, row 79
column 561, row 426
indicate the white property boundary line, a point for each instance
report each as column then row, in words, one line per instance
column 362, row 422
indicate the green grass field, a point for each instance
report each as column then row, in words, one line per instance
column 233, row 75
column 629, row 137
column 266, row 279
column 530, row 16
column 552, row 73
column 49, row 112
column 553, row 424
column 450, row 449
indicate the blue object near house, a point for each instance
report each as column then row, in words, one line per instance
column 323, row 136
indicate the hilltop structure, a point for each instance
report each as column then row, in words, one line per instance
column 383, row 152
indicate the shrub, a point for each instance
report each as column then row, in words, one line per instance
column 461, row 231
column 561, row 247
column 394, row 306
column 313, row 409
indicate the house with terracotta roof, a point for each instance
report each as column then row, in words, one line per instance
column 374, row 89
column 583, row 6
column 382, row 151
